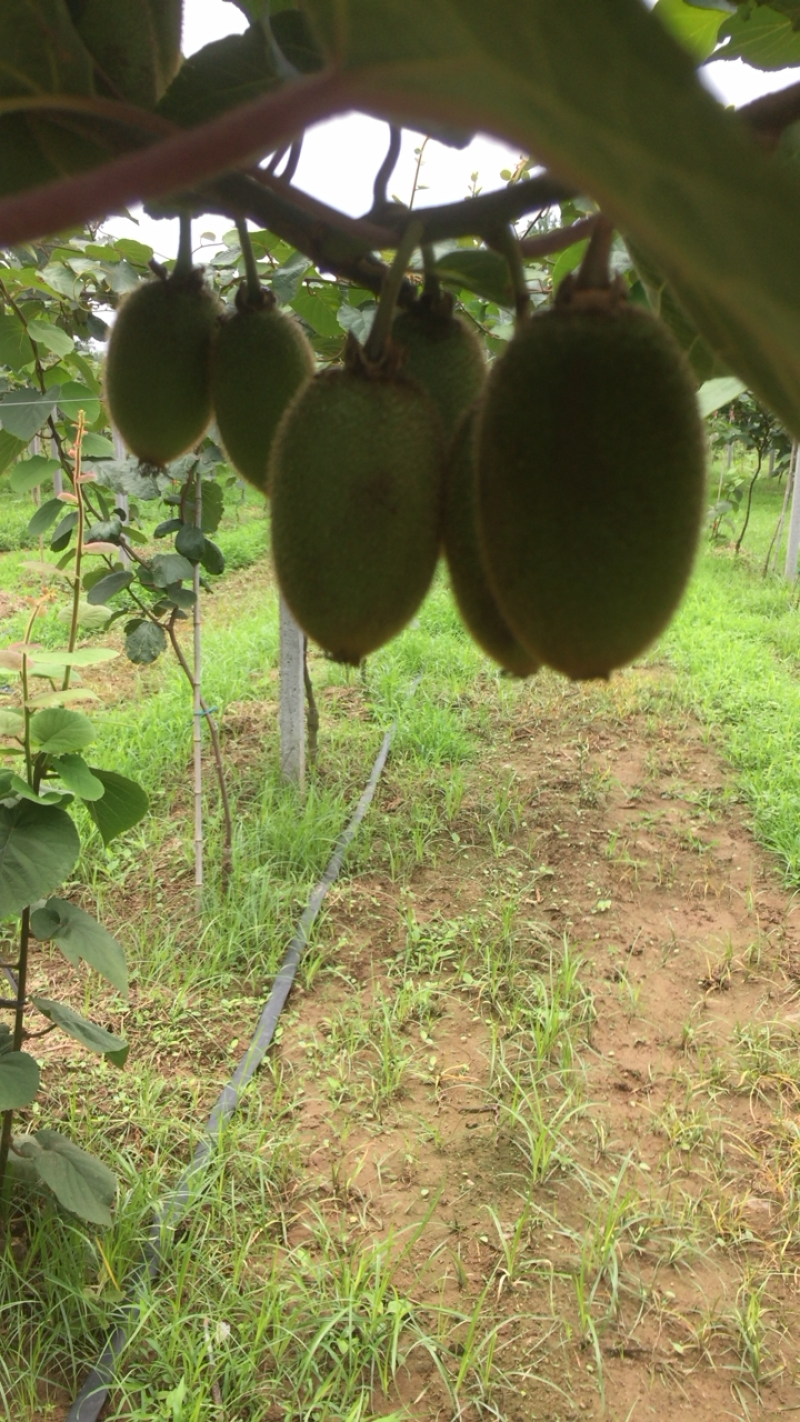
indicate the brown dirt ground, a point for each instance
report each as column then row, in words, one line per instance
column 629, row 846
column 626, row 837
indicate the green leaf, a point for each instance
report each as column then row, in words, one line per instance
column 317, row 313
column 226, row 72
column 75, row 396
column 97, row 446
column 12, row 724
column 42, row 797
column 47, row 334
column 92, row 618
column 212, row 509
column 44, row 662
column 78, row 935
column 478, row 270
column 19, row 1080
column 713, row 394
column 697, row 29
column 10, row 447
column 39, row 846
column 97, row 1039
column 611, row 104
column 41, row 50
column 294, row 38
column 168, row 568
column 190, row 543
column 55, row 731
column 78, row 1180
column 123, row 805
column 107, row 587
column 136, row 44
column 213, row 559
column 75, row 773
column 24, row 411
column 15, row 348
column 136, row 252
column 760, row 37
column 567, row 261
column 145, row 643
column 33, row 472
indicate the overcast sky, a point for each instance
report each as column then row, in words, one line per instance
column 340, row 157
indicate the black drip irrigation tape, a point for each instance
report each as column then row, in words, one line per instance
column 170, row 1211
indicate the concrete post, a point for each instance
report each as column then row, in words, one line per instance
column 793, row 541
column 292, row 713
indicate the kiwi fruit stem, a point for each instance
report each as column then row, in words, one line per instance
column 375, row 344
column 509, row 245
column 183, row 264
column 594, row 274
column 254, row 291
column 431, row 285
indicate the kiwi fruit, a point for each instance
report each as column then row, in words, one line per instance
column 157, row 370
column 474, row 597
column 259, row 360
column 356, row 477
column 590, row 482
column 443, row 354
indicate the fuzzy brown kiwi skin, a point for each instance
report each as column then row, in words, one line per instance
column 440, row 351
column 157, row 375
column 356, row 476
column 473, row 595
column 260, row 360
column 591, row 484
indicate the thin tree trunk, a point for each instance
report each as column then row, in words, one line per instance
column 776, row 537
column 749, row 501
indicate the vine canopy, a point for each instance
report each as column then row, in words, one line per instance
column 98, row 111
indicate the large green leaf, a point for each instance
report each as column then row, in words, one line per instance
column 15, row 347
column 19, row 1080
column 33, row 472
column 136, row 43
column 226, row 72
column 78, row 1180
column 89, row 1034
column 10, row 447
column 24, row 411
column 78, row 935
column 39, row 845
column 123, row 804
column 41, row 50
column 56, row 731
column 610, row 102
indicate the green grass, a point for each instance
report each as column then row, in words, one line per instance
column 285, row 1295
column 737, row 642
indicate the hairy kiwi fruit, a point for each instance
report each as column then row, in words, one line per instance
column 475, row 599
column 157, row 370
column 356, row 485
column 439, row 351
column 591, row 482
column 260, row 359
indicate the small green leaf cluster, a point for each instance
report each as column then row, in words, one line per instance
column 43, row 769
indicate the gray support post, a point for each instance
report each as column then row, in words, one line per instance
column 121, row 500
column 793, row 542
column 292, row 713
